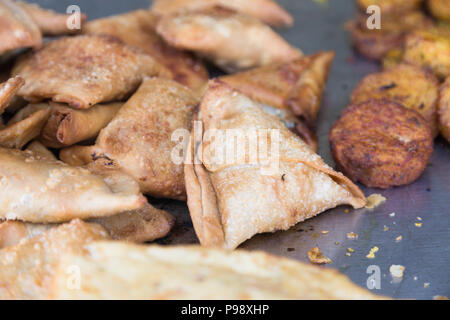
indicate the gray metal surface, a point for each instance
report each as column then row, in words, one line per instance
column 424, row 251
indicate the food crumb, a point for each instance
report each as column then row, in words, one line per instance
column 374, row 200
column 426, row 284
column 317, row 257
column 397, row 270
column 372, row 252
column 419, row 218
column 352, row 235
column 385, row 228
column 346, row 211
column 415, row 278
column 350, row 250
column 418, row 224
column 290, row 249
column 336, row 243
column 348, row 254
column 398, row 239
column 324, row 231
column 392, row 214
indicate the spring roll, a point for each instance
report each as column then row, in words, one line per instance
column 252, row 192
column 67, row 126
column 267, row 11
column 50, row 22
column 8, row 91
column 47, row 191
column 164, row 272
column 85, row 70
column 18, row 29
column 139, row 139
column 138, row 28
column 17, row 134
column 231, row 40
column 40, row 150
column 28, row 267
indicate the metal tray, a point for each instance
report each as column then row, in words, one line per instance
column 424, row 251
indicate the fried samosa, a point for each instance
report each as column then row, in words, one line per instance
column 49, row 22
column 444, row 110
column 47, row 191
column 27, row 268
column 85, row 70
column 252, row 192
column 265, row 10
column 67, row 126
column 17, row 28
column 162, row 272
column 296, row 86
column 138, row 28
column 141, row 225
column 138, row 139
column 231, row 40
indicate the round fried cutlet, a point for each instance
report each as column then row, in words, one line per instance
column 440, row 9
column 411, row 86
column 444, row 110
column 381, row 144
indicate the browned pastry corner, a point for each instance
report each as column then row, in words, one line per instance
column 411, row 86
column 381, row 144
column 227, row 38
column 231, row 202
column 138, row 28
column 85, row 70
column 267, row 11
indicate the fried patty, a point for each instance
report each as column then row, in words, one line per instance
column 444, row 110
column 430, row 48
column 411, row 86
column 376, row 43
column 440, row 9
column 381, row 144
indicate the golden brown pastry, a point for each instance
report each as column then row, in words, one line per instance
column 163, row 272
column 46, row 191
column 440, row 9
column 389, row 7
column 138, row 28
column 138, row 140
column 376, row 43
column 231, row 40
column 83, row 71
column 411, row 86
column 231, row 201
column 49, row 22
column 381, row 144
column 444, row 110
column 8, row 90
column 295, row 87
column 27, row 268
column 17, row 134
column 17, row 29
column 430, row 48
column 266, row 10
column 141, row 225
column 67, row 126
